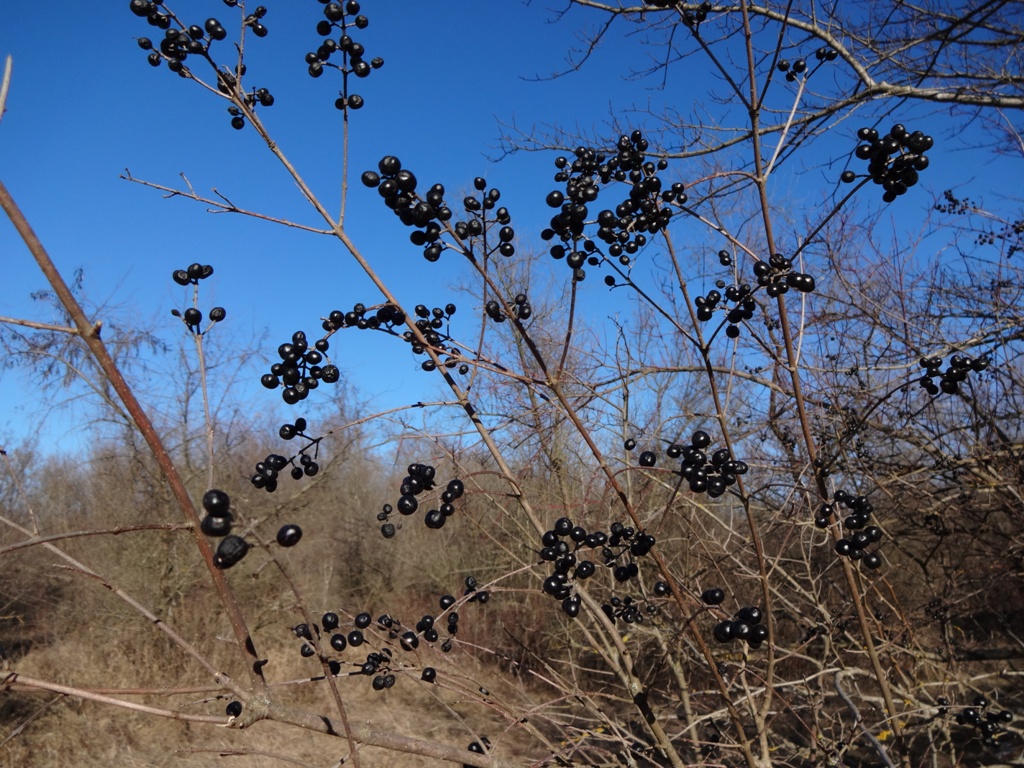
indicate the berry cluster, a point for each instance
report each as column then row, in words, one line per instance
column 353, row 60
column 307, row 466
column 799, row 66
column 520, row 305
column 474, row 595
column 378, row 664
column 895, row 174
column 397, row 186
column 745, row 625
column 742, row 310
column 477, row 223
column 711, row 475
column 863, row 535
column 387, row 316
column 178, row 44
column 430, row 323
column 300, row 370
column 954, row 375
column 989, row 724
column 569, row 565
column 268, row 470
column 420, row 479
column 193, row 274
column 624, row 230
column 693, row 19
column 193, row 316
column 218, row 521
column 777, row 276
column 628, row 610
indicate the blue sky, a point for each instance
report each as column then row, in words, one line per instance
column 85, row 105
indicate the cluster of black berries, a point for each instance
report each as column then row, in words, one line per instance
column 217, row 524
column 693, row 19
column 626, row 609
column 567, row 566
column 428, row 214
column 895, row 174
column 353, row 60
column 711, row 475
column 430, row 323
column 745, row 625
column 377, row 664
column 259, row 96
column 386, row 317
column 624, row 230
column 420, row 479
column 856, row 523
column 561, row 546
column 477, row 223
column 954, row 375
column 742, row 310
column 268, row 470
column 300, row 369
column 777, row 276
column 989, row 724
column 936, row 611
column 178, row 44
column 474, row 595
column 193, row 274
column 397, row 186
column 1010, row 233
column 799, row 66
column 520, row 305
column 193, row 317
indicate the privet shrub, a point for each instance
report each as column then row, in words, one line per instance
column 770, row 515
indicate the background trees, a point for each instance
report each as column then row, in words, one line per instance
column 731, row 450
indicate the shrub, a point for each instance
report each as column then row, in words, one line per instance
column 767, row 514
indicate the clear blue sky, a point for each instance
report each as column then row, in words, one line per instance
column 85, row 105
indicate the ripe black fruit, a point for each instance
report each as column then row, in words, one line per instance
column 217, row 503
column 216, row 526
column 289, row 535
column 723, row 631
column 749, row 615
column 713, row 596
column 234, row 709
column 230, row 551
